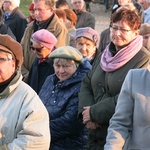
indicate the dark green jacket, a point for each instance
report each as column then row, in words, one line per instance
column 100, row 90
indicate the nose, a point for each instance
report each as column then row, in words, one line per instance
column 61, row 70
column 84, row 47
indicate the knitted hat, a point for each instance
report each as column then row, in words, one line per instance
column 45, row 38
column 88, row 33
column 71, row 15
column 67, row 52
column 31, row 7
column 145, row 29
column 9, row 45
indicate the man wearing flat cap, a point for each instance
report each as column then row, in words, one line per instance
column 21, row 110
column 87, row 40
column 60, row 96
column 43, row 45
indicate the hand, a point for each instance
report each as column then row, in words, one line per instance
column 92, row 125
column 86, row 114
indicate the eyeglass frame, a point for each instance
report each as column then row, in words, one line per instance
column 5, row 59
column 120, row 29
column 37, row 49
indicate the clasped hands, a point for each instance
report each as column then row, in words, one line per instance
column 87, row 119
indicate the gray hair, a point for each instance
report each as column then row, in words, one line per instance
column 48, row 3
column 63, row 61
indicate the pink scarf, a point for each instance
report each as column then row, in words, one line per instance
column 111, row 63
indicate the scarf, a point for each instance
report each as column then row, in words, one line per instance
column 111, row 63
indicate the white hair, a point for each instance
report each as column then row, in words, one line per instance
column 15, row 3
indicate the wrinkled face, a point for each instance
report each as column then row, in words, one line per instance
column 40, row 51
column 5, row 63
column 41, row 11
column 64, row 69
column 86, row 47
column 123, row 2
column 77, row 5
column 146, row 37
column 6, row 5
column 121, row 34
column 144, row 4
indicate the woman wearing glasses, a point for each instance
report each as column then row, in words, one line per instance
column 101, row 86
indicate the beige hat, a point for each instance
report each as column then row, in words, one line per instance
column 67, row 52
column 145, row 29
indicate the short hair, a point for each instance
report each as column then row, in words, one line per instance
column 61, row 3
column 60, row 13
column 48, row 3
column 131, row 17
column 15, row 3
column 64, row 61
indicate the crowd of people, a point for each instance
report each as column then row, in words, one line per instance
column 64, row 86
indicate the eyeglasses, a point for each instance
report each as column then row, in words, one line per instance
column 36, row 49
column 4, row 59
column 78, row 2
column 120, row 29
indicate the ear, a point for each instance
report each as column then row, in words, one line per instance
column 137, row 32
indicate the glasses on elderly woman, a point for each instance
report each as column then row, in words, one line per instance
column 120, row 29
column 36, row 49
column 4, row 59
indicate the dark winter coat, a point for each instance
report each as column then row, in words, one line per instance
column 17, row 22
column 4, row 29
column 38, row 73
column 61, row 101
column 85, row 19
column 100, row 90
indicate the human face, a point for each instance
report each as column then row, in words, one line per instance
column 5, row 63
column 40, row 51
column 41, row 11
column 145, row 39
column 144, row 4
column 6, row 6
column 86, row 47
column 64, row 69
column 68, row 23
column 77, row 5
column 123, row 2
column 121, row 34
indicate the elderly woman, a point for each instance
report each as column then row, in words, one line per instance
column 86, row 42
column 101, row 86
column 60, row 96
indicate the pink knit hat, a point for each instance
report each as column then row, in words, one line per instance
column 88, row 33
column 45, row 38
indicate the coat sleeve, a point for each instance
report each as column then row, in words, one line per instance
column 121, row 122
column 32, row 129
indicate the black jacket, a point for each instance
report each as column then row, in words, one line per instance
column 17, row 23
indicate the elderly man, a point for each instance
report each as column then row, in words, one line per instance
column 146, row 6
column 24, row 119
column 14, row 18
column 85, row 19
column 43, row 45
column 87, row 40
column 44, row 19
